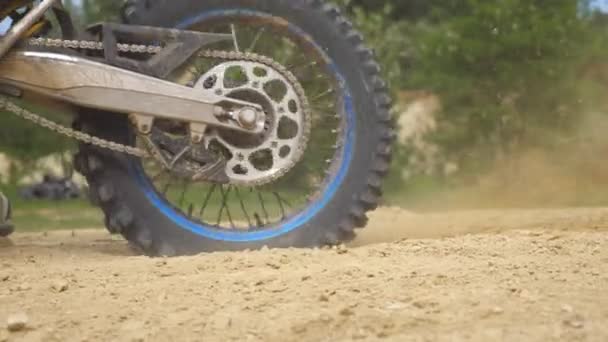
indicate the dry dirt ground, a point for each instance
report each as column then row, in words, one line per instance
column 520, row 275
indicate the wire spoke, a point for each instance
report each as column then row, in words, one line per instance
column 255, row 41
column 190, row 210
column 238, row 194
column 282, row 199
column 210, row 192
column 323, row 94
column 258, row 220
column 263, row 205
column 225, row 194
column 183, row 194
column 322, row 108
column 169, row 182
column 278, row 197
column 302, row 66
column 234, row 38
column 307, row 79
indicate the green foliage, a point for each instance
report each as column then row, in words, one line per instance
column 26, row 142
column 96, row 10
column 503, row 69
column 508, row 72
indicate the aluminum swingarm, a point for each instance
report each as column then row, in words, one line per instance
column 88, row 83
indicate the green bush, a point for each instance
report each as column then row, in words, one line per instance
column 509, row 73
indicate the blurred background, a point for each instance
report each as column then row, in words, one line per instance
column 498, row 104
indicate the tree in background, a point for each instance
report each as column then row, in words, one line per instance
column 26, row 142
column 508, row 72
column 504, row 70
column 95, row 10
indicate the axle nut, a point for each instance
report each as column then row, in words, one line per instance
column 248, row 117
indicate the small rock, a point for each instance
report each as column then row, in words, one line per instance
column 419, row 305
column 341, row 249
column 273, row 265
column 17, row 322
column 324, row 298
column 285, row 260
column 347, row 312
column 298, row 329
column 60, row 286
column 24, row 287
column 567, row 308
column 395, row 306
column 325, row 318
column 359, row 335
column 497, row 310
column 576, row 322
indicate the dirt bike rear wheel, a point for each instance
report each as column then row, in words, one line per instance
column 135, row 207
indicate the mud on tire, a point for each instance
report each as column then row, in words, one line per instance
column 130, row 213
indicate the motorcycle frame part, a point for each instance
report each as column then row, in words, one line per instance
column 147, row 101
column 18, row 30
column 177, row 46
column 92, row 84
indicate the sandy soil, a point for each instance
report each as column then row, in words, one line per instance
column 534, row 275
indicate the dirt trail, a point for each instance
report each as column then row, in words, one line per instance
column 538, row 275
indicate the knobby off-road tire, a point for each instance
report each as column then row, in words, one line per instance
column 143, row 223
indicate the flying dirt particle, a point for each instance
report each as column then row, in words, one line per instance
column 59, row 286
column 162, row 297
column 347, row 312
column 359, row 335
column 17, row 322
column 567, row 308
column 325, row 318
column 273, row 265
column 383, row 334
column 341, row 249
column 419, row 305
column 298, row 329
column 395, row 306
column 497, row 310
column 22, row 287
column 576, row 322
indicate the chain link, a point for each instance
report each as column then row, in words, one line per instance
column 6, row 104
